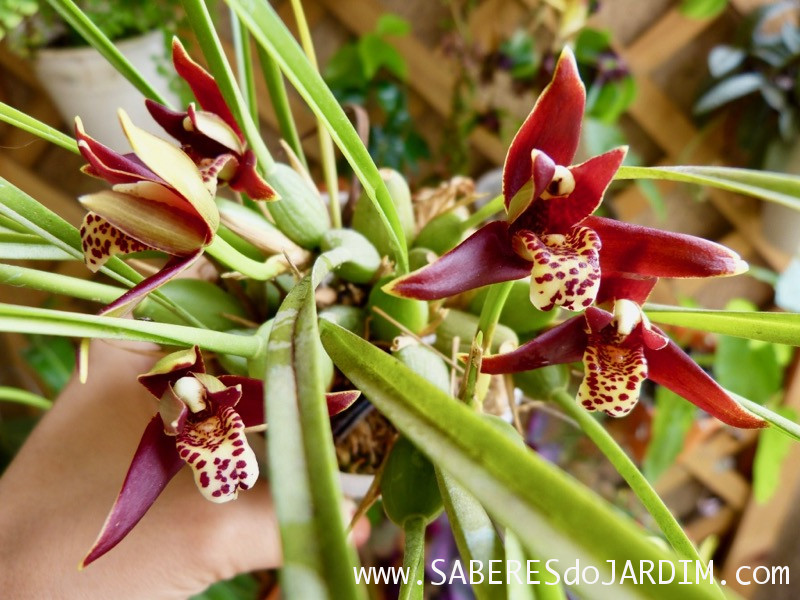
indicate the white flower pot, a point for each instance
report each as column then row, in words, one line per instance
column 81, row 83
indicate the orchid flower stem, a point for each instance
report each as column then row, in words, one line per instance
column 19, row 119
column 413, row 556
column 477, row 386
column 491, row 208
column 625, row 467
column 280, row 103
column 203, row 28
column 9, row 394
column 76, row 18
column 244, row 64
column 325, row 142
column 75, row 287
column 253, row 269
column 25, row 319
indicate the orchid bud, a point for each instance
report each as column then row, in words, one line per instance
column 365, row 260
column 367, row 221
column 442, row 233
column 464, row 325
column 409, row 486
column 300, row 214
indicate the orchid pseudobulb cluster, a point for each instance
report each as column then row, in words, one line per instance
column 582, row 262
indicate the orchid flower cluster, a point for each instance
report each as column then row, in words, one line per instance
column 581, row 262
column 162, row 198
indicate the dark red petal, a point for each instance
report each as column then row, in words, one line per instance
column 554, row 126
column 251, row 406
column 157, row 383
column 628, row 286
column 564, row 343
column 591, row 181
column 128, row 301
column 340, row 401
column 483, row 258
column 172, row 122
column 248, row 180
column 597, row 319
column 110, row 165
column 203, row 85
column 646, row 251
column 674, row 369
column 230, row 396
column 155, row 462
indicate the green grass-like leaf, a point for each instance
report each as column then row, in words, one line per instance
column 317, row 561
column 773, row 187
column 779, row 328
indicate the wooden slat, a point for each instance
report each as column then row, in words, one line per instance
column 430, row 75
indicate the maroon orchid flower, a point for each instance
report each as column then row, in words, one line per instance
column 211, row 137
column 620, row 350
column 545, row 235
column 158, row 201
column 201, row 422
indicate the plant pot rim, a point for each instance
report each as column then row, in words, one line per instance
column 77, row 51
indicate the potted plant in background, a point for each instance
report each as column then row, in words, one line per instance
column 77, row 78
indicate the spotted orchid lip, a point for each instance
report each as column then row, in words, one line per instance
column 646, row 353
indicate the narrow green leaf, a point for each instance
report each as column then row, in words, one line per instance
column 773, row 187
column 9, row 394
column 73, row 15
column 779, row 328
column 517, row 587
column 244, row 65
column 24, row 246
column 280, row 103
column 25, row 319
column 19, row 119
column 317, row 561
column 271, row 33
column 775, row 420
column 520, row 490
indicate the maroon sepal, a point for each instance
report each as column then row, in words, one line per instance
column 154, row 464
column 592, row 178
column 627, row 286
column 203, row 85
column 553, row 126
column 562, row 344
column 675, row 370
column 340, row 401
column 128, row 301
column 629, row 248
column 484, row 258
column 112, row 166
